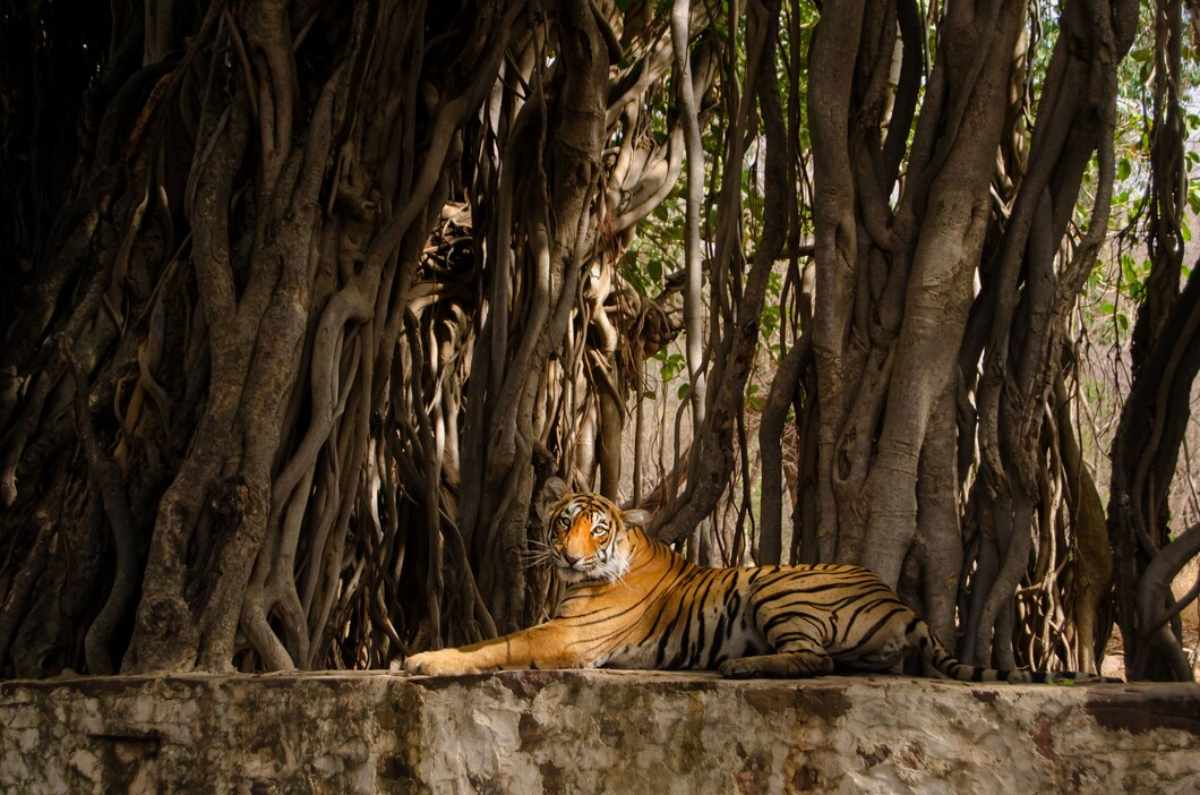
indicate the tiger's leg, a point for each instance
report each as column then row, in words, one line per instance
column 544, row 646
column 795, row 658
column 792, row 633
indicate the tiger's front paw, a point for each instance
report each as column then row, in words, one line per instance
column 447, row 662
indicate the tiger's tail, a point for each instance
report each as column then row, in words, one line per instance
column 935, row 657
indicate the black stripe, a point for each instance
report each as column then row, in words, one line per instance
column 678, row 595
column 664, row 599
column 814, row 605
column 664, row 603
column 766, row 600
column 644, row 599
column 790, row 636
column 694, row 660
column 799, row 575
column 881, row 596
column 781, row 617
column 818, row 625
column 829, row 586
column 858, row 611
column 733, row 606
column 693, row 604
column 574, row 620
column 873, row 630
column 716, row 644
column 663, row 639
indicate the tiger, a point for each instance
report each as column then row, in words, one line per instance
column 631, row 601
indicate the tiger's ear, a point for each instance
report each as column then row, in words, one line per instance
column 636, row 517
column 552, row 493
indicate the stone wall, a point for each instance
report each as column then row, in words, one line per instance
column 592, row 731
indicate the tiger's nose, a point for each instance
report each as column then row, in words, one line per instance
column 570, row 559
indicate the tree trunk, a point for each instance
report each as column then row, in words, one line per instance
column 298, row 233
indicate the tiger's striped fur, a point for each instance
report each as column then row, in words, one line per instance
column 632, row 602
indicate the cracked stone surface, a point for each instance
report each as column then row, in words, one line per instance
column 592, row 731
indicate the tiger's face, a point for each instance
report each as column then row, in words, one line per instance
column 587, row 539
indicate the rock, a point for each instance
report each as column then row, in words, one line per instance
column 592, row 731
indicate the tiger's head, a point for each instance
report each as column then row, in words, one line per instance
column 588, row 539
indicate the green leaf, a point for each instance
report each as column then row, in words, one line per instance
column 683, row 391
column 654, row 269
column 774, row 283
column 1127, row 269
column 1124, row 169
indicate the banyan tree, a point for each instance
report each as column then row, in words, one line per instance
column 310, row 305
